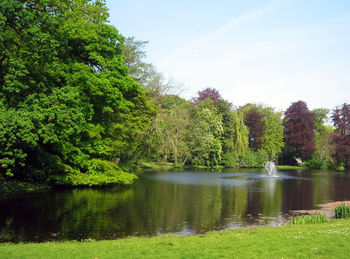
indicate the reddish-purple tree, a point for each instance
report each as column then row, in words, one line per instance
column 211, row 93
column 341, row 138
column 253, row 119
column 299, row 129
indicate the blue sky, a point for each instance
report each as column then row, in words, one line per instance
column 270, row 52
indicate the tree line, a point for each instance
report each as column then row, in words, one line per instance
column 211, row 131
column 78, row 105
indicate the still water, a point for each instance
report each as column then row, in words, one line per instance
column 184, row 202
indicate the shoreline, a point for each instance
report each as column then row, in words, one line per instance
column 325, row 208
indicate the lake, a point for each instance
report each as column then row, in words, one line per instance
column 185, row 202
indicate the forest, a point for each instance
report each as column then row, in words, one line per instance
column 79, row 105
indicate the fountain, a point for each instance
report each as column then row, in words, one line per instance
column 271, row 168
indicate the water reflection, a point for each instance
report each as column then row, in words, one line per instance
column 177, row 202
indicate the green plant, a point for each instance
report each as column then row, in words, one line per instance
column 230, row 159
column 315, row 162
column 255, row 159
column 310, row 219
column 342, row 211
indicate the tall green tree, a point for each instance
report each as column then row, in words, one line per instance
column 235, row 134
column 168, row 135
column 146, row 73
column 68, row 105
column 323, row 139
column 224, row 108
column 241, row 133
column 272, row 137
column 321, row 118
column 206, row 131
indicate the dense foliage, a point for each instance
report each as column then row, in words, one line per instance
column 253, row 119
column 341, row 139
column 210, row 93
column 299, row 129
column 308, row 219
column 272, row 139
column 77, row 101
column 68, row 108
column 342, row 211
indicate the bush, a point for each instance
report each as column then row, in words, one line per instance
column 230, row 159
column 316, row 162
column 310, row 219
column 342, row 212
column 100, row 172
column 255, row 159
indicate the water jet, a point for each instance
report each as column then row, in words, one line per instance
column 271, row 168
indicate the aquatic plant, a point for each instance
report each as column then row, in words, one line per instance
column 310, row 219
column 342, row 211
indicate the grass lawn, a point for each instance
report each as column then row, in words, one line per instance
column 323, row 240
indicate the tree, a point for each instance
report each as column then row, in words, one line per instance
column 272, row 137
column 240, row 133
column 134, row 52
column 68, row 106
column 341, row 138
column 168, row 134
column 321, row 117
column 299, row 129
column 210, row 93
column 323, row 139
column 146, row 73
column 205, row 133
column 253, row 119
column 224, row 108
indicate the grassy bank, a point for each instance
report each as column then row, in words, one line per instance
column 167, row 165
column 324, row 240
column 288, row 167
column 8, row 187
column 157, row 165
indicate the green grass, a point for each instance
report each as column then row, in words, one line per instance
column 327, row 240
column 310, row 219
column 157, row 165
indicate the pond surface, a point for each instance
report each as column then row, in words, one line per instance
column 185, row 203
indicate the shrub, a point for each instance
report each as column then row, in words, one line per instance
column 255, row 159
column 100, row 172
column 342, row 212
column 310, row 219
column 315, row 162
column 230, row 159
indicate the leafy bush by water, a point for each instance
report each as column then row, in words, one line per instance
column 255, row 159
column 100, row 172
column 310, row 219
column 342, row 211
column 317, row 162
column 230, row 159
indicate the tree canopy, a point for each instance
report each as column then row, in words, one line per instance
column 253, row 119
column 78, row 102
column 68, row 105
column 341, row 139
column 299, row 129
